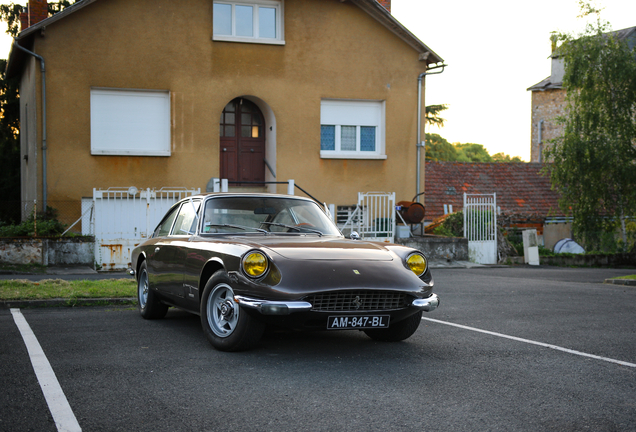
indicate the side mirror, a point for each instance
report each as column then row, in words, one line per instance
column 354, row 235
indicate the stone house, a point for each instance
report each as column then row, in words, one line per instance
column 548, row 100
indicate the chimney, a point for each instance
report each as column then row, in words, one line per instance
column 37, row 10
column 386, row 4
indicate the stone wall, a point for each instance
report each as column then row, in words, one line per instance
column 48, row 251
column 547, row 106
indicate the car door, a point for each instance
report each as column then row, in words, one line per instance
column 161, row 255
column 156, row 250
column 170, row 254
column 185, row 228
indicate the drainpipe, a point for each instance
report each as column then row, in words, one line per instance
column 43, row 70
column 421, row 144
column 540, row 139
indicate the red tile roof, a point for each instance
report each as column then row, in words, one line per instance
column 521, row 188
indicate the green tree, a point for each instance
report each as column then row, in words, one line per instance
column 439, row 149
column 594, row 161
column 9, row 147
column 473, row 152
column 502, row 157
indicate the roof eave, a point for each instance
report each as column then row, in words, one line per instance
column 384, row 17
column 54, row 18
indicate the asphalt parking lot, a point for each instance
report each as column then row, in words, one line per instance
column 516, row 348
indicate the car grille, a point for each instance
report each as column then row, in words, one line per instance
column 358, row 300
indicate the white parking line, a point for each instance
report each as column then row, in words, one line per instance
column 528, row 341
column 58, row 405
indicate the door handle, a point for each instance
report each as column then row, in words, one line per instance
column 252, row 150
column 157, row 249
column 224, row 149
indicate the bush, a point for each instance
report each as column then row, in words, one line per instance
column 453, row 226
column 45, row 225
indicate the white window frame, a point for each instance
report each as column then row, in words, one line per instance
column 341, row 112
column 127, row 122
column 280, row 27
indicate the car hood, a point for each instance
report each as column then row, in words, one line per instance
column 326, row 249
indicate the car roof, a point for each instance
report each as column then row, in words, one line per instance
column 244, row 195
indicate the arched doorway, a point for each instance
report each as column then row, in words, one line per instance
column 242, row 142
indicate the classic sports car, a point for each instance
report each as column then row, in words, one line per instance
column 246, row 261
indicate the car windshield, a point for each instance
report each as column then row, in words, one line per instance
column 270, row 214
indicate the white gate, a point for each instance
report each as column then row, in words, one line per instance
column 124, row 217
column 374, row 216
column 480, row 227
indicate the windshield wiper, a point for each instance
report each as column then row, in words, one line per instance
column 244, row 228
column 300, row 229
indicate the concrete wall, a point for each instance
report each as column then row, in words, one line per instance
column 30, row 134
column 547, row 106
column 48, row 252
column 438, row 248
column 332, row 50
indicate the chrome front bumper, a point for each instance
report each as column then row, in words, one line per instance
column 427, row 304
column 267, row 307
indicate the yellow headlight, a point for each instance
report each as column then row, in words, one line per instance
column 417, row 263
column 255, row 264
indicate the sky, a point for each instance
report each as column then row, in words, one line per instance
column 495, row 50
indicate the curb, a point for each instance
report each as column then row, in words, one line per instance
column 629, row 282
column 62, row 302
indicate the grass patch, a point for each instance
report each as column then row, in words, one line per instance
column 22, row 289
column 626, row 277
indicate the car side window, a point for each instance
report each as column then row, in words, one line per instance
column 164, row 227
column 186, row 223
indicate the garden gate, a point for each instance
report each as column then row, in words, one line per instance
column 480, row 227
column 374, row 216
column 122, row 218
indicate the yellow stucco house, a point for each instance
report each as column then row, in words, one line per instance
column 164, row 93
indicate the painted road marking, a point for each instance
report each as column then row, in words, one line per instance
column 58, row 404
column 528, row 341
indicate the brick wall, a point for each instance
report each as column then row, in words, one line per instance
column 547, row 106
column 37, row 10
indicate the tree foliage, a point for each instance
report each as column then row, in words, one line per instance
column 470, row 152
column 432, row 115
column 594, row 166
column 9, row 146
column 438, row 149
column 502, row 157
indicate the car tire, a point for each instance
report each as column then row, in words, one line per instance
column 149, row 305
column 398, row 331
column 226, row 325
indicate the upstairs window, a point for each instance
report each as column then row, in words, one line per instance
column 252, row 22
column 352, row 129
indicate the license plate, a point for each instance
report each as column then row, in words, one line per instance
column 357, row 322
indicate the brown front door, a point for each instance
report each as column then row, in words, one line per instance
column 242, row 142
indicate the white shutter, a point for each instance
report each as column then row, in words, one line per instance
column 130, row 122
